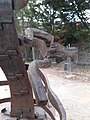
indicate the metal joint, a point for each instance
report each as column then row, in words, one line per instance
column 12, row 52
column 11, row 77
column 15, row 76
column 6, row 11
column 23, row 110
column 21, row 93
column 1, row 26
column 4, row 57
column 24, row 92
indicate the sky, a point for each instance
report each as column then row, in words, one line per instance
column 87, row 11
column 88, row 15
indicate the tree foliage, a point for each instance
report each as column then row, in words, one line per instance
column 64, row 18
column 26, row 17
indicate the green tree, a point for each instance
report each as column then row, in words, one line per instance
column 58, row 17
column 73, row 14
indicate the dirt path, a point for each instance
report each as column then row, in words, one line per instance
column 75, row 95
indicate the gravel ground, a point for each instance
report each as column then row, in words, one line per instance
column 74, row 94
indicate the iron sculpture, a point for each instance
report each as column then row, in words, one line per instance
column 23, row 84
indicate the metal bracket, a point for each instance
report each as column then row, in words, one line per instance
column 15, row 76
column 17, row 94
column 24, row 92
column 1, row 27
column 22, row 110
column 21, row 93
column 26, row 110
column 12, row 77
column 12, row 52
column 4, row 57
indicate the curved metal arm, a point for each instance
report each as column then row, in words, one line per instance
column 38, row 87
column 18, row 4
column 53, row 98
column 37, row 78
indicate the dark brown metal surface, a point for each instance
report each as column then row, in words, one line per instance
column 18, row 4
column 11, row 62
column 5, row 11
column 15, row 72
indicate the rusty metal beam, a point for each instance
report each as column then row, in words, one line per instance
column 5, row 100
column 38, row 87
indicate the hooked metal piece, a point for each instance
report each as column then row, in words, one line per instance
column 18, row 4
